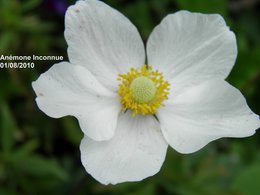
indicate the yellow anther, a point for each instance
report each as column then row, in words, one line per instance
column 143, row 90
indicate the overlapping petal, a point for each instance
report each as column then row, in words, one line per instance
column 72, row 90
column 136, row 151
column 102, row 40
column 204, row 113
column 191, row 48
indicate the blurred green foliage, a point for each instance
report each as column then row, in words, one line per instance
column 40, row 155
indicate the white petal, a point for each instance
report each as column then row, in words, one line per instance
column 72, row 90
column 103, row 40
column 204, row 113
column 191, row 48
column 136, row 151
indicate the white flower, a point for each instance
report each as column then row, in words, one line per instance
column 106, row 82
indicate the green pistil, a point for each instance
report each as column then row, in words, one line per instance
column 143, row 89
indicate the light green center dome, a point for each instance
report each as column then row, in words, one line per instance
column 143, row 89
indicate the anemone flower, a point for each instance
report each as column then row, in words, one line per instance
column 130, row 110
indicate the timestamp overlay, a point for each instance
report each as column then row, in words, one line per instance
column 22, row 62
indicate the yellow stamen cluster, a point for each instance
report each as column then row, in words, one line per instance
column 126, row 93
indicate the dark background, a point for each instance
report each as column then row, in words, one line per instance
column 40, row 155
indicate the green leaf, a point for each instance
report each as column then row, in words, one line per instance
column 38, row 166
column 8, row 127
column 25, row 150
column 30, row 4
column 32, row 24
column 6, row 40
column 148, row 189
column 72, row 131
column 247, row 180
column 246, row 70
column 5, row 191
column 212, row 6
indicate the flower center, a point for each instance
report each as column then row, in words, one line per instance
column 143, row 90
